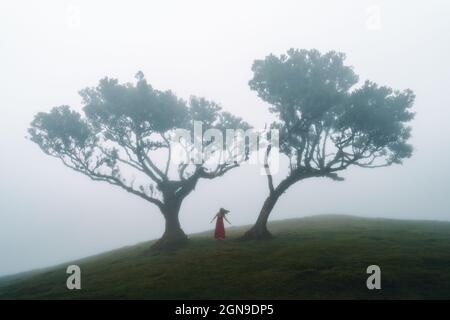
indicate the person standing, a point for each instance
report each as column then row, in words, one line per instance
column 219, row 233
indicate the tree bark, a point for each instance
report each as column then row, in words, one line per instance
column 259, row 230
column 173, row 236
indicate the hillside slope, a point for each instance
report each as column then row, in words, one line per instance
column 314, row 257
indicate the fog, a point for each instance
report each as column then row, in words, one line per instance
column 49, row 50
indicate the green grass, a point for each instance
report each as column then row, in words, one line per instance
column 310, row 258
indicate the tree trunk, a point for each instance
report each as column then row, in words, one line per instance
column 173, row 236
column 259, row 230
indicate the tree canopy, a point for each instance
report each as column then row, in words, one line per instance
column 125, row 139
column 326, row 121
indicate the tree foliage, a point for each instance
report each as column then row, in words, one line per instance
column 124, row 138
column 326, row 121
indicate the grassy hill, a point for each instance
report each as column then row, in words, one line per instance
column 314, row 257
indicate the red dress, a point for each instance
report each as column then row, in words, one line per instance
column 220, row 228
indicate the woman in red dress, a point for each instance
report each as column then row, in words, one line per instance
column 219, row 233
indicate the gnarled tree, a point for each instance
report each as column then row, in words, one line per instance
column 326, row 122
column 126, row 139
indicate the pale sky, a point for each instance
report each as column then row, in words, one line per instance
column 49, row 50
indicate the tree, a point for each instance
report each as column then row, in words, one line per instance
column 326, row 123
column 126, row 140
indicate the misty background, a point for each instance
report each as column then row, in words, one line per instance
column 49, row 50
